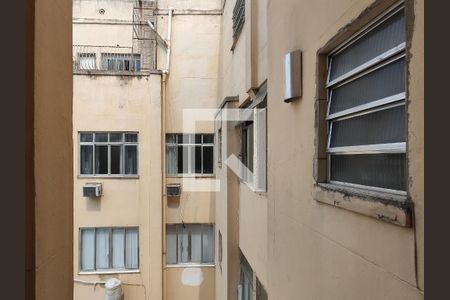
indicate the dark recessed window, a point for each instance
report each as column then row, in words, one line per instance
column 104, row 153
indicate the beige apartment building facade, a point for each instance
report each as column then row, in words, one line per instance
column 328, row 201
column 334, row 222
column 131, row 83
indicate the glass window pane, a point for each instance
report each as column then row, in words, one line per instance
column 116, row 153
column 198, row 138
column 380, row 127
column 377, row 170
column 208, row 157
column 171, row 160
column 101, row 137
column 382, row 83
column 87, row 249
column 101, row 159
column 250, row 148
column 86, row 159
column 183, row 244
column 171, row 244
column 380, row 39
column 208, row 138
column 196, row 243
column 208, row 244
column 116, row 137
column 171, row 139
column 180, row 139
column 102, row 248
column 131, row 137
column 131, row 160
column 86, row 137
column 132, row 248
column 118, row 246
column 198, row 159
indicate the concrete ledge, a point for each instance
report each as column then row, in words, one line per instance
column 116, row 73
column 391, row 208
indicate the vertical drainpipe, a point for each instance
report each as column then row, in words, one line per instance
column 165, row 75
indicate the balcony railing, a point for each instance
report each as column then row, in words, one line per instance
column 109, row 59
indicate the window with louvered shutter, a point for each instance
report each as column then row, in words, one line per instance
column 366, row 107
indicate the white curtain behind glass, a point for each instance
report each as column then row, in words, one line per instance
column 171, row 251
column 208, row 244
column 87, row 249
column 132, row 245
column 183, row 244
column 102, row 248
column 118, row 241
column 196, row 243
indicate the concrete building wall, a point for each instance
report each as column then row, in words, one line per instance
column 241, row 69
column 93, row 27
column 122, row 103
column 52, row 150
column 316, row 250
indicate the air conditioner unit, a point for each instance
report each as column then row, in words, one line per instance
column 92, row 190
column 173, row 190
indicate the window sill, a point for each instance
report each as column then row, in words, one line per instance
column 391, row 208
column 109, row 272
column 183, row 266
column 192, row 176
column 107, row 177
column 116, row 73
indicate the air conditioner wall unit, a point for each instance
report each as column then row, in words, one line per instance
column 173, row 190
column 92, row 190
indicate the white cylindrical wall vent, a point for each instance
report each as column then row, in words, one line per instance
column 113, row 289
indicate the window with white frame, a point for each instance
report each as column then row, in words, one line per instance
column 254, row 142
column 190, row 154
column 121, row 62
column 190, row 244
column 108, row 153
column 109, row 249
column 366, row 107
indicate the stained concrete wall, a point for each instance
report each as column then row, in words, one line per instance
column 122, row 103
column 53, row 150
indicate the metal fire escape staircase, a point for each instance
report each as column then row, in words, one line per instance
column 144, row 39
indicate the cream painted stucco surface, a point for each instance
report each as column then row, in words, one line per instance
column 53, row 150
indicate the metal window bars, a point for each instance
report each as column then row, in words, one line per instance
column 100, row 58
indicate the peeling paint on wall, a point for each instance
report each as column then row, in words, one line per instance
column 192, row 277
